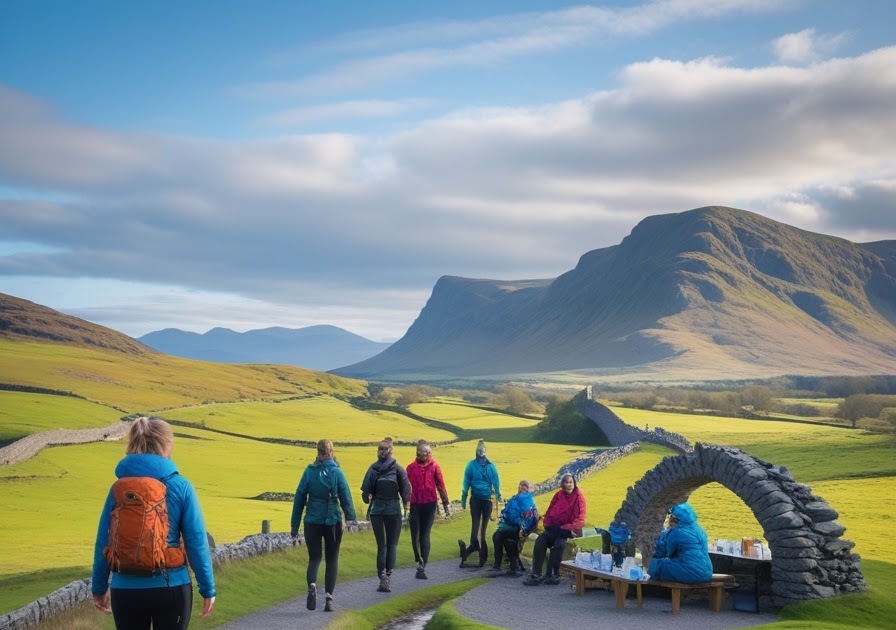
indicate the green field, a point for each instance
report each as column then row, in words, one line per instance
column 51, row 502
column 23, row 413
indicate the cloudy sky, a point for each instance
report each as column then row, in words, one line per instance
column 202, row 164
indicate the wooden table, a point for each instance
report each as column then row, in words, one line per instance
column 621, row 585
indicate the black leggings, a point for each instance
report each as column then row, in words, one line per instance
column 330, row 537
column 386, row 530
column 480, row 512
column 422, row 517
column 557, row 543
column 507, row 541
column 166, row 608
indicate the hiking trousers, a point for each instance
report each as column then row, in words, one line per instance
column 421, row 518
column 480, row 512
column 509, row 542
column 323, row 541
column 163, row 607
column 386, row 529
column 556, row 543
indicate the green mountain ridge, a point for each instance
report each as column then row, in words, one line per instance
column 709, row 293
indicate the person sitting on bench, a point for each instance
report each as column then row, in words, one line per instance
column 681, row 553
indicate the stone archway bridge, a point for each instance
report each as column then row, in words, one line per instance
column 810, row 559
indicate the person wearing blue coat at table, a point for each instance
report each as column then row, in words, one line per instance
column 681, row 553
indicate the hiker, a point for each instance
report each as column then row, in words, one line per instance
column 480, row 478
column 681, row 553
column 323, row 488
column 386, row 490
column 564, row 519
column 158, row 592
column 519, row 518
column 427, row 487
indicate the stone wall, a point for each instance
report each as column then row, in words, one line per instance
column 619, row 433
column 810, row 560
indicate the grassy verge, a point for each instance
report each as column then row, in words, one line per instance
column 376, row 616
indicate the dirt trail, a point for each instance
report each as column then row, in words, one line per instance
column 29, row 446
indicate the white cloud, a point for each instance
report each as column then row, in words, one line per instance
column 806, row 46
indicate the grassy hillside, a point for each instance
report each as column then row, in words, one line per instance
column 143, row 382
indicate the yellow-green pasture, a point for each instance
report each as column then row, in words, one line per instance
column 309, row 419
column 469, row 418
column 155, row 381
column 52, row 501
column 811, row 452
column 23, row 413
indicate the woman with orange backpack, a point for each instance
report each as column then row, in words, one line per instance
column 150, row 579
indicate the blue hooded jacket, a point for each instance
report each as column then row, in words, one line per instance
column 322, row 489
column 681, row 554
column 480, row 476
column 184, row 518
column 514, row 509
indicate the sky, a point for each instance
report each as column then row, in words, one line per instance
column 244, row 165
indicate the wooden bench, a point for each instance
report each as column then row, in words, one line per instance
column 620, row 586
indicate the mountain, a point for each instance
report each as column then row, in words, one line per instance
column 315, row 347
column 710, row 293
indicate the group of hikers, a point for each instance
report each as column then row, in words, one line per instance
column 150, row 582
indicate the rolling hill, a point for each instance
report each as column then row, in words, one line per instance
column 313, row 347
column 42, row 349
column 709, row 293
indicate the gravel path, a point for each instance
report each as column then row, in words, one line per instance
column 506, row 603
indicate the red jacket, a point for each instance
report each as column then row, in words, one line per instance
column 427, row 480
column 566, row 510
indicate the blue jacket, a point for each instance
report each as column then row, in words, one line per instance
column 619, row 533
column 514, row 509
column 480, row 476
column 685, row 556
column 185, row 520
column 322, row 489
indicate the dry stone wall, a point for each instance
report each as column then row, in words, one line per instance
column 810, row 560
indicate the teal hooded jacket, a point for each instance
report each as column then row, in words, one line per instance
column 322, row 490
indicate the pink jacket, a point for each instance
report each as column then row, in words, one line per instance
column 566, row 510
column 426, row 481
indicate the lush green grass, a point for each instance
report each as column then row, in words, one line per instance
column 153, row 381
column 471, row 418
column 296, row 419
column 23, row 413
column 400, row 605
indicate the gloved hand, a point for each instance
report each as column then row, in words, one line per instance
column 295, row 536
column 447, row 507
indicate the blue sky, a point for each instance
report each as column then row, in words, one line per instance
column 245, row 165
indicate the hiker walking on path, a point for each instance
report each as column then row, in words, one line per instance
column 322, row 490
column 519, row 518
column 386, row 490
column 150, row 578
column 563, row 519
column 427, row 487
column 480, row 480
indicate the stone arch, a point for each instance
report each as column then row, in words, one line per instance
column 810, row 560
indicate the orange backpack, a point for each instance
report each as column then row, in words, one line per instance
column 138, row 530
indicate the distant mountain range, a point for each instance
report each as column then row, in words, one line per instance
column 711, row 293
column 319, row 348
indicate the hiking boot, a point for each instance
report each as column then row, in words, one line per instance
column 513, row 573
column 328, row 607
column 532, row 580
column 311, row 601
column 496, row 566
column 552, row 580
column 421, row 572
column 385, row 583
